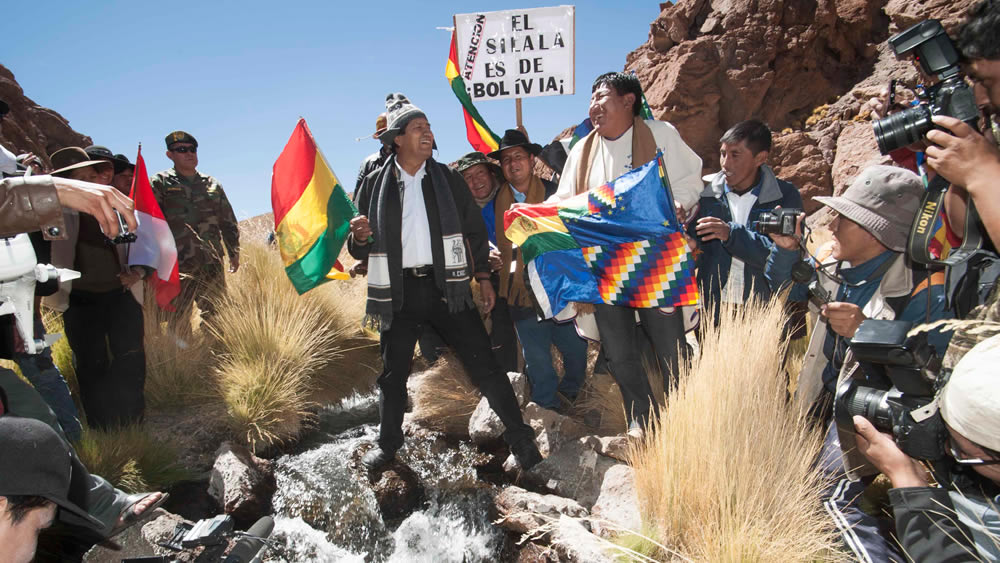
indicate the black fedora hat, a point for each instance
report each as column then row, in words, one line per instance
column 514, row 138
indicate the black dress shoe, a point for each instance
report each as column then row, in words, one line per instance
column 377, row 458
column 527, row 455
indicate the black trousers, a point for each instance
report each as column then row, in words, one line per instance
column 424, row 305
column 105, row 332
column 503, row 338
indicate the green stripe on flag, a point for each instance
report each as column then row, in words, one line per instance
column 545, row 242
column 311, row 270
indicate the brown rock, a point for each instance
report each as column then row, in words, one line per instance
column 241, row 483
column 397, row 490
column 797, row 158
column 535, row 553
column 854, row 153
column 31, row 128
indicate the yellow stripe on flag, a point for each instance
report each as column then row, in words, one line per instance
column 485, row 135
column 450, row 72
column 523, row 227
column 306, row 221
column 336, row 274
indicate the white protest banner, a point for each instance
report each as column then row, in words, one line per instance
column 517, row 53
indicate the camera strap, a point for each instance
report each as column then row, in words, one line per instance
column 928, row 243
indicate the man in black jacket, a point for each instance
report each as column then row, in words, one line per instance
column 423, row 237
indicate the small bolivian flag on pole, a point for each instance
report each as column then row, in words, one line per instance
column 312, row 213
column 480, row 136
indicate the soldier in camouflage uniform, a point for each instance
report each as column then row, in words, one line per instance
column 200, row 219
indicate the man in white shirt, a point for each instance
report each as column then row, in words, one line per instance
column 621, row 141
column 424, row 237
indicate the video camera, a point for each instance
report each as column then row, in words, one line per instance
column 951, row 96
column 19, row 272
column 895, row 389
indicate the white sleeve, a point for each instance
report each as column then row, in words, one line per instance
column 567, row 181
column 683, row 164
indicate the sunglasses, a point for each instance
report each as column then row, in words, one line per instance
column 183, row 150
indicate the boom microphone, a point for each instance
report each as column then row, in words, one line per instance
column 247, row 548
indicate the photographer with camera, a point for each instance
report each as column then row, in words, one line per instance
column 733, row 249
column 960, row 524
column 863, row 274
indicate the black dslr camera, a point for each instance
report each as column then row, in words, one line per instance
column 951, row 96
column 777, row 222
column 898, row 381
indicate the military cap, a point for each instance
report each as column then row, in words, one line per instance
column 180, row 137
column 474, row 158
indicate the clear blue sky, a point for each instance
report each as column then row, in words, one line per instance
column 237, row 75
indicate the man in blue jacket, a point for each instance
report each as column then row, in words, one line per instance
column 733, row 254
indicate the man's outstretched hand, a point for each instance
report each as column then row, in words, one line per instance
column 99, row 201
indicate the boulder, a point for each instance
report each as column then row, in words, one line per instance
column 617, row 506
column 615, row 447
column 551, row 428
column 398, row 491
column 573, row 470
column 484, row 426
column 241, row 483
column 522, row 511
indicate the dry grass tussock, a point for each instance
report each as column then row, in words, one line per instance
column 271, row 343
column 727, row 472
column 178, row 368
column 443, row 396
column 130, row 459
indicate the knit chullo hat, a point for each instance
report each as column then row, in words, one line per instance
column 398, row 112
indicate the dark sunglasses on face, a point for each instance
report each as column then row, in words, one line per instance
column 183, row 150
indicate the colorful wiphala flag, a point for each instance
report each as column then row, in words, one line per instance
column 154, row 244
column 479, row 134
column 619, row 244
column 312, row 213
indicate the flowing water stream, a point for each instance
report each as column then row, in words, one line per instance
column 325, row 512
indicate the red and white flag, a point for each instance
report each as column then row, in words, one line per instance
column 154, row 245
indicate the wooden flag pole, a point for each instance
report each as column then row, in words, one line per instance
column 517, row 105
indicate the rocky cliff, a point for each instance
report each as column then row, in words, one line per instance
column 31, row 128
column 804, row 66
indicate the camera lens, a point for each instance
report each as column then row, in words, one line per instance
column 903, row 128
column 870, row 403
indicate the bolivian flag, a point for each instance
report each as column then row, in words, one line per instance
column 312, row 213
column 480, row 136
